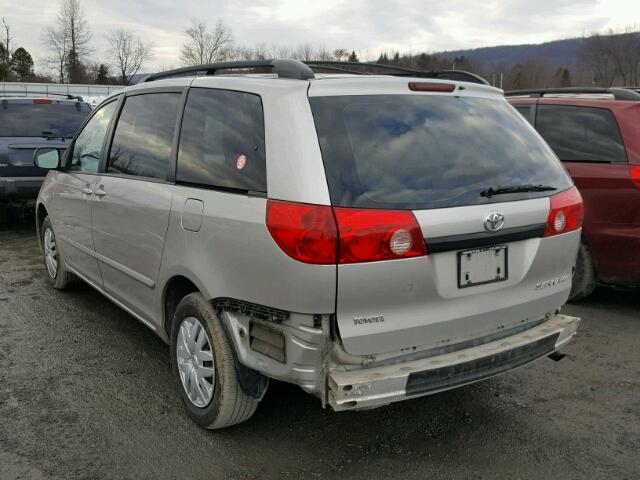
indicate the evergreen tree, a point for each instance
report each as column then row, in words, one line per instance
column 396, row 59
column 22, row 64
column 5, row 63
column 353, row 57
column 102, row 78
column 565, row 79
column 76, row 71
column 383, row 59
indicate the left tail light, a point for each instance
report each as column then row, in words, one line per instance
column 324, row 235
column 566, row 213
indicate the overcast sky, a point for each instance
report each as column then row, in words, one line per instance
column 368, row 26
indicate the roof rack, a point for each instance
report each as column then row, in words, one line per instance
column 397, row 71
column 619, row 93
column 30, row 93
column 283, row 68
column 299, row 70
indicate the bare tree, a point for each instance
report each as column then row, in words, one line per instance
column 203, row 45
column 5, row 52
column 68, row 41
column 56, row 42
column 127, row 53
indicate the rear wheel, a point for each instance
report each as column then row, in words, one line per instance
column 203, row 366
column 584, row 277
column 57, row 274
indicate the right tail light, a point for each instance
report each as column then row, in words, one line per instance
column 566, row 213
column 634, row 170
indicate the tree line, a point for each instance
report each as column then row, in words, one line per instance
column 612, row 58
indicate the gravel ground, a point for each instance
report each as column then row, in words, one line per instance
column 85, row 392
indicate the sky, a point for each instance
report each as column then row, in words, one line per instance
column 366, row 26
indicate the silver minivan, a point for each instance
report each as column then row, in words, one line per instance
column 370, row 238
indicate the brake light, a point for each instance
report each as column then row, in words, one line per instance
column 305, row 232
column 566, row 213
column 634, row 170
column 372, row 235
column 431, row 87
column 42, row 101
column 321, row 235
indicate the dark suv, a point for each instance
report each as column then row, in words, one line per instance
column 27, row 123
column 596, row 134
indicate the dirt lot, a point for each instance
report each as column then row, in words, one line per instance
column 85, row 392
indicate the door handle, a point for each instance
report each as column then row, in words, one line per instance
column 87, row 191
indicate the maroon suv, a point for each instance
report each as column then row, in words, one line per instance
column 596, row 134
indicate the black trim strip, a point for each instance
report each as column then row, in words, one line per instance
column 484, row 239
column 467, row 372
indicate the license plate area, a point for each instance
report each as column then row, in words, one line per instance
column 481, row 266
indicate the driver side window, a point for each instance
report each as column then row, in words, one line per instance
column 87, row 148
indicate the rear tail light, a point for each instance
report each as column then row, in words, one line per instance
column 431, row 87
column 42, row 101
column 305, row 232
column 372, row 235
column 635, row 174
column 566, row 213
column 311, row 233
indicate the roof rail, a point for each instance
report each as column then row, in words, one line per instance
column 394, row 70
column 299, row 70
column 283, row 68
column 31, row 93
column 619, row 93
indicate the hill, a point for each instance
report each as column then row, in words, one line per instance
column 556, row 54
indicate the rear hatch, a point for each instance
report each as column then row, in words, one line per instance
column 472, row 186
column 27, row 124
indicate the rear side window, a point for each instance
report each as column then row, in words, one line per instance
column 29, row 119
column 222, row 141
column 428, row 151
column 143, row 138
column 581, row 134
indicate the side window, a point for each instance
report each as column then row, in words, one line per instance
column 525, row 111
column 222, row 141
column 581, row 134
column 143, row 138
column 87, row 148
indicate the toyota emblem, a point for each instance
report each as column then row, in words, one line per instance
column 494, row 222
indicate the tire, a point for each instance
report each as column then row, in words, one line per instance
column 585, row 278
column 228, row 404
column 59, row 278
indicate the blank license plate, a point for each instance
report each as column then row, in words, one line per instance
column 482, row 265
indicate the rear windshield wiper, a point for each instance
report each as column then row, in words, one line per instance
column 491, row 191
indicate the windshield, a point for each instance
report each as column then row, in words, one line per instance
column 429, row 151
column 22, row 119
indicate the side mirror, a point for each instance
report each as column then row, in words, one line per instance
column 48, row 158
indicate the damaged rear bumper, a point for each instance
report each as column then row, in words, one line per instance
column 373, row 387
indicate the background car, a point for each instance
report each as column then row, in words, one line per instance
column 596, row 134
column 27, row 123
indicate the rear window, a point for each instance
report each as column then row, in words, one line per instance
column 581, row 134
column 22, row 119
column 428, row 151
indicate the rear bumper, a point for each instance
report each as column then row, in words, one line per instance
column 20, row 187
column 378, row 386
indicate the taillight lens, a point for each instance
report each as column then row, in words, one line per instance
column 42, row 101
column 634, row 170
column 372, row 235
column 305, row 232
column 309, row 234
column 567, row 211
